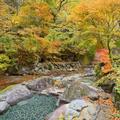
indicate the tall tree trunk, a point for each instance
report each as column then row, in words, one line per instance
column 109, row 49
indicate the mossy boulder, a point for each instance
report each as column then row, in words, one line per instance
column 111, row 83
column 117, row 96
column 107, row 82
column 78, row 89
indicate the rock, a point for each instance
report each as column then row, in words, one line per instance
column 36, row 69
column 77, row 105
column 57, row 83
column 88, row 113
column 73, row 109
column 104, row 95
column 25, row 71
column 78, row 89
column 91, row 109
column 49, row 116
column 108, row 86
column 38, row 84
column 93, row 96
column 116, row 98
column 55, row 91
column 58, row 78
column 84, row 115
column 104, row 113
column 70, row 114
column 66, row 80
column 3, row 106
column 16, row 94
column 2, row 97
column 56, row 114
column 117, row 103
column 89, row 72
column 72, row 77
column 80, row 109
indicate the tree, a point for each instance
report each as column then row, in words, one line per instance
column 5, row 22
column 36, row 14
column 57, row 6
column 15, row 4
column 100, row 18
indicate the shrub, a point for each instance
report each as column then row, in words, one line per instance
column 6, row 42
column 4, row 63
column 77, row 49
column 25, row 57
column 26, row 52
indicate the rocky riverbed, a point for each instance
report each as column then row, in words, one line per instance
column 63, row 97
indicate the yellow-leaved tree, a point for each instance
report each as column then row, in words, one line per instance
column 99, row 18
column 33, row 14
column 5, row 21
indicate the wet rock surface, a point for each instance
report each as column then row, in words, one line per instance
column 3, row 106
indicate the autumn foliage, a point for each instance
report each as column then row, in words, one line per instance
column 58, row 30
column 33, row 14
column 102, row 56
column 100, row 18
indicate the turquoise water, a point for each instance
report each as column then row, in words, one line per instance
column 35, row 108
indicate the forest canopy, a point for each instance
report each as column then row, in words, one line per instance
column 56, row 30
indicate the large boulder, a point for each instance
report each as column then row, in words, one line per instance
column 57, row 113
column 65, row 80
column 104, row 112
column 39, row 84
column 108, row 86
column 70, row 114
column 80, row 109
column 3, row 106
column 116, row 96
column 74, row 109
column 17, row 93
column 79, row 89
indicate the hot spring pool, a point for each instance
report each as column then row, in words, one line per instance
column 35, row 108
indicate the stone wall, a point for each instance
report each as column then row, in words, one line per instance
column 56, row 66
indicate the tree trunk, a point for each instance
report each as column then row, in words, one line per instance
column 109, row 49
